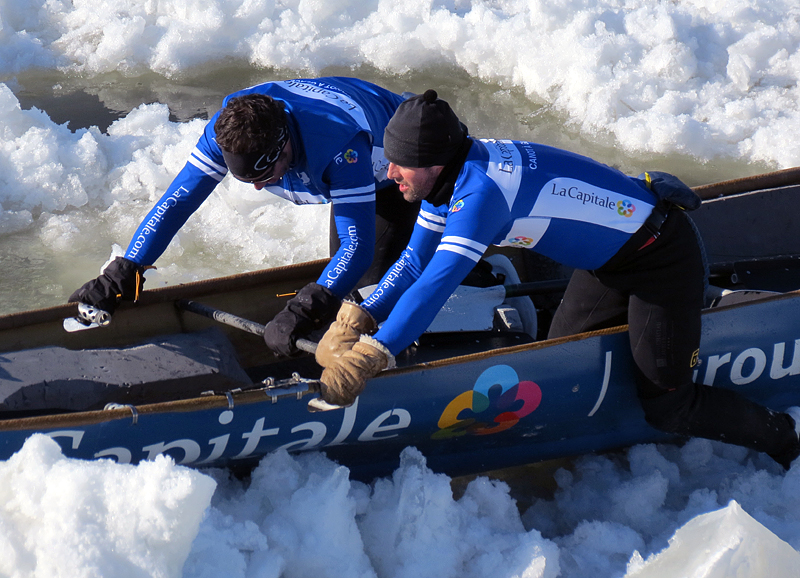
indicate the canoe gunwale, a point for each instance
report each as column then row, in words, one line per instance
column 171, row 293
column 260, row 393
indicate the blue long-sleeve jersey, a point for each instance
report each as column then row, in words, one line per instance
column 336, row 128
column 509, row 193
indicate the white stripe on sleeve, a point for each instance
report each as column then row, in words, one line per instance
column 220, row 168
column 432, row 217
column 465, row 251
column 435, row 227
column 465, row 242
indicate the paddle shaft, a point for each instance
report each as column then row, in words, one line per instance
column 235, row 321
column 536, row 287
column 516, row 290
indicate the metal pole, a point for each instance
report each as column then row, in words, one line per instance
column 236, row 321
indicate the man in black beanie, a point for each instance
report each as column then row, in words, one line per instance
column 636, row 256
column 424, row 133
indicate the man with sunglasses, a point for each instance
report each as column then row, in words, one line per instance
column 308, row 141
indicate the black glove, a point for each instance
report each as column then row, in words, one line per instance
column 310, row 309
column 122, row 279
column 670, row 188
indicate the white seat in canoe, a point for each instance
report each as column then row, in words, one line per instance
column 484, row 308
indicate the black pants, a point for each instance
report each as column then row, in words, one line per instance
column 394, row 222
column 658, row 289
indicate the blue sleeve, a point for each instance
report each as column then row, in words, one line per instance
column 404, row 272
column 417, row 307
column 352, row 191
column 183, row 197
column 193, row 184
column 474, row 221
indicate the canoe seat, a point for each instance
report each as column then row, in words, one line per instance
column 476, row 309
column 717, row 297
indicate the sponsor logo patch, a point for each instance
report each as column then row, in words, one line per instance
column 521, row 241
column 496, row 402
column 625, row 208
column 351, row 156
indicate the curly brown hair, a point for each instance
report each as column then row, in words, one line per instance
column 250, row 123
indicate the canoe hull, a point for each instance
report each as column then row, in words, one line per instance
column 467, row 413
column 516, row 405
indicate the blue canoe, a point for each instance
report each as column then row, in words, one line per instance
column 469, row 400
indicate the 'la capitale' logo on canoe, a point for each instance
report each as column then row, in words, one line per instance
column 497, row 402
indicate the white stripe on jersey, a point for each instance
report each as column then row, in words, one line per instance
column 200, row 155
column 428, row 225
column 380, row 166
column 465, row 242
column 568, row 198
column 432, row 217
column 211, row 171
column 360, row 198
column 505, row 167
column 526, row 232
column 461, row 250
column 368, row 189
column 431, row 221
column 298, row 197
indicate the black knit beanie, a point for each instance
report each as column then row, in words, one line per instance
column 423, row 132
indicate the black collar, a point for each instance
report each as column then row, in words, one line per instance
column 443, row 188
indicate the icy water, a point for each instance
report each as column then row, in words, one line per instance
column 59, row 245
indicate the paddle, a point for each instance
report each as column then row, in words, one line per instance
column 235, row 321
column 536, row 287
column 90, row 317
column 316, row 404
column 514, row 290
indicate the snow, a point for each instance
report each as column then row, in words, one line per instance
column 695, row 87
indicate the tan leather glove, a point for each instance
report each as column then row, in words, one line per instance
column 351, row 322
column 344, row 379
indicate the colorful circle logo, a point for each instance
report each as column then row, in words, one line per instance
column 351, row 156
column 625, row 208
column 458, row 206
column 521, row 241
column 497, row 401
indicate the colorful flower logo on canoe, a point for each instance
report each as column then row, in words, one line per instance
column 497, row 401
